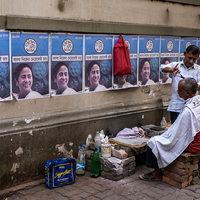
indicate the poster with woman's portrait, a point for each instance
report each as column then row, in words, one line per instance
column 184, row 43
column 129, row 80
column 148, row 72
column 30, row 65
column 5, row 83
column 66, row 64
column 169, row 53
column 98, row 63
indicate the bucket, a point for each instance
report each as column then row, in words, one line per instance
column 106, row 150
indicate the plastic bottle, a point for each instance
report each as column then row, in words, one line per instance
column 80, row 162
column 97, row 140
column 163, row 123
column 95, row 164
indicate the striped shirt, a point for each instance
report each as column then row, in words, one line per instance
column 176, row 102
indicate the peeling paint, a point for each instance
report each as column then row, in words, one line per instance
column 31, row 132
column 14, row 123
column 61, row 5
column 61, row 149
column 152, row 92
column 14, row 167
column 71, row 144
column 30, row 120
column 19, row 151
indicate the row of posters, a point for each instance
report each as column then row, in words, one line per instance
column 36, row 65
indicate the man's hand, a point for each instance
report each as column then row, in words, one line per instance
column 175, row 70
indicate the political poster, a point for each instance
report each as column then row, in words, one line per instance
column 98, row 62
column 5, row 81
column 130, row 80
column 30, row 65
column 184, row 43
column 169, row 53
column 148, row 72
column 66, row 64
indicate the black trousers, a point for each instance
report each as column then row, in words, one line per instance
column 174, row 115
column 151, row 160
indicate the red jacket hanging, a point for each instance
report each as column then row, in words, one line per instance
column 122, row 63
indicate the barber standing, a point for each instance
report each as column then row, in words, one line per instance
column 183, row 69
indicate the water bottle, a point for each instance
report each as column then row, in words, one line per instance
column 95, row 164
column 80, row 162
column 163, row 123
column 97, row 140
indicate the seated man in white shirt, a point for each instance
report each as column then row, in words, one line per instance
column 164, row 149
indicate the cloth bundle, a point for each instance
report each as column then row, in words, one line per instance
column 135, row 132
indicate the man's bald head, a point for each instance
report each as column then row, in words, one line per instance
column 187, row 88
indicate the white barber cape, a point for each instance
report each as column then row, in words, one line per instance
column 168, row 146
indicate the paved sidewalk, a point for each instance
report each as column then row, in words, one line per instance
column 89, row 188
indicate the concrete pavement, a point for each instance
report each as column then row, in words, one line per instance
column 89, row 188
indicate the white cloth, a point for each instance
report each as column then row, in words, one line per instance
column 69, row 91
column 150, row 82
column 131, row 141
column 65, row 92
column 131, row 133
column 125, row 85
column 168, row 146
column 169, row 80
column 98, row 88
column 31, row 95
column 176, row 102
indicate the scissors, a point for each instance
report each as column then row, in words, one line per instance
column 179, row 74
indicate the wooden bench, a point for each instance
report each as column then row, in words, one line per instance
column 183, row 171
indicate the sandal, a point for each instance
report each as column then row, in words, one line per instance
column 149, row 177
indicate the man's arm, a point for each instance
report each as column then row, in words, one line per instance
column 174, row 70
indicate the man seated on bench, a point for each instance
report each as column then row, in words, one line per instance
column 183, row 135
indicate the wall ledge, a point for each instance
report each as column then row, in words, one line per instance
column 16, row 125
column 26, row 23
column 183, row 2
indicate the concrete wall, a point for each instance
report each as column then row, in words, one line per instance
column 31, row 129
column 144, row 12
column 93, row 16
